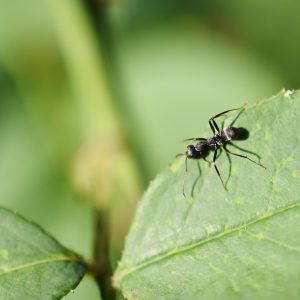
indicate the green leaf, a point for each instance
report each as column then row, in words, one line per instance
column 32, row 264
column 240, row 244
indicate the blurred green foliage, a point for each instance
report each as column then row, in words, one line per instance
column 170, row 65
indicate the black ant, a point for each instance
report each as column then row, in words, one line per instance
column 219, row 140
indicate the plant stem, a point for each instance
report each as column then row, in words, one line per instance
column 101, row 255
column 101, row 122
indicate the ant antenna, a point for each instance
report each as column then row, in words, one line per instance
column 186, row 169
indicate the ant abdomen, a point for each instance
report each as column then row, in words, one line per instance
column 229, row 133
column 233, row 133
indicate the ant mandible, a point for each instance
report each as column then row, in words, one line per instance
column 219, row 140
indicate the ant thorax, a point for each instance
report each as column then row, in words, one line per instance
column 202, row 147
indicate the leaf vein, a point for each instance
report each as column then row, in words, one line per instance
column 176, row 251
column 39, row 262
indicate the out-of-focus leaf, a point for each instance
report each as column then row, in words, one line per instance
column 32, row 264
column 213, row 244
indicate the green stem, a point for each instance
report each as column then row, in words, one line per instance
column 101, row 255
column 99, row 118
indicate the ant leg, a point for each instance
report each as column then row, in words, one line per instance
column 243, row 156
column 216, row 168
column 195, row 139
column 237, row 116
column 244, row 150
column 212, row 123
column 197, row 179
column 224, row 112
column 230, row 167
column 204, row 158
column 186, row 168
column 222, row 125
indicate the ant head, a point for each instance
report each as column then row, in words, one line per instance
column 233, row 133
column 191, row 152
